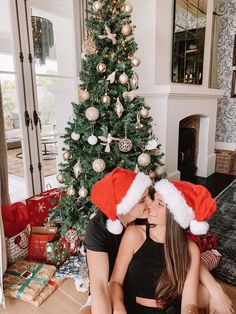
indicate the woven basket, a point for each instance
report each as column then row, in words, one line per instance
column 224, row 160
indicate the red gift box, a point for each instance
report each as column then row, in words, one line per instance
column 39, row 205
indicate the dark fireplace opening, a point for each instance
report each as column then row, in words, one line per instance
column 187, row 151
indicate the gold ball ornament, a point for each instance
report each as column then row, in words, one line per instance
column 106, row 99
column 123, row 78
column 99, row 165
column 92, row 114
column 127, row 8
column 139, row 126
column 83, row 192
column 66, row 154
column 84, row 95
column 60, row 178
column 135, row 61
column 125, row 145
column 144, row 112
column 144, row 160
column 152, row 175
column 101, row 67
column 160, row 170
column 70, row 191
column 126, row 29
column 97, row 5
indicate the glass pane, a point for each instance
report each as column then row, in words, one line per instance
column 53, row 37
column 54, row 101
column 13, row 134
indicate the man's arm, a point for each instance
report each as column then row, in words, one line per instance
column 98, row 265
column 219, row 301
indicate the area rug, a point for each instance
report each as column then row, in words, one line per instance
column 223, row 225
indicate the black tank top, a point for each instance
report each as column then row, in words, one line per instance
column 143, row 273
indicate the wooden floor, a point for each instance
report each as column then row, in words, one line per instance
column 67, row 300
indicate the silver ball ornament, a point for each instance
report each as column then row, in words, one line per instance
column 125, row 145
column 75, row 136
column 144, row 160
column 60, row 178
column 123, row 78
column 106, row 99
column 97, row 5
column 71, row 235
column 135, row 61
column 92, row 140
column 66, row 155
column 126, row 29
column 83, row 192
column 101, row 67
column 70, row 191
column 144, row 112
column 99, row 165
column 92, row 114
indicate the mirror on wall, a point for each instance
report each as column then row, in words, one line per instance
column 188, row 41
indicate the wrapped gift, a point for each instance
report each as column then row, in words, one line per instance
column 25, row 280
column 75, row 267
column 57, row 251
column 211, row 259
column 51, row 286
column 204, row 242
column 39, row 205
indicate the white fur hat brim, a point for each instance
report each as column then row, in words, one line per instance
column 176, row 203
column 133, row 195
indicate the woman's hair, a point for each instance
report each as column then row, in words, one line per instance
column 170, row 284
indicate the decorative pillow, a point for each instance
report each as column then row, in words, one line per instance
column 210, row 259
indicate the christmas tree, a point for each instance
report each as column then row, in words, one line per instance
column 111, row 126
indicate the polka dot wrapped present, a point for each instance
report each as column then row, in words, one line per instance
column 25, row 280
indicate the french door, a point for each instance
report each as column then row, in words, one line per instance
column 40, row 83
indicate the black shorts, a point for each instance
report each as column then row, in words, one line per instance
column 141, row 309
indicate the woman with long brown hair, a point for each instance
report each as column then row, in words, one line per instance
column 157, row 267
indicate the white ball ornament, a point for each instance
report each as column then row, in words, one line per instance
column 101, row 67
column 135, row 61
column 75, row 136
column 83, row 192
column 99, row 165
column 123, row 78
column 92, row 140
column 126, row 29
column 71, row 235
column 92, row 114
column 97, row 5
column 151, row 145
column 144, row 160
column 66, row 155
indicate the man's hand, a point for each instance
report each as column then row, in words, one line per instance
column 220, row 303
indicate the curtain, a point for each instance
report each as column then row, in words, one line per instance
column 213, row 79
column 4, row 196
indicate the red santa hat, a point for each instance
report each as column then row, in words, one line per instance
column 117, row 193
column 189, row 203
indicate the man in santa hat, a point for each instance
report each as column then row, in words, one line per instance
column 121, row 199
